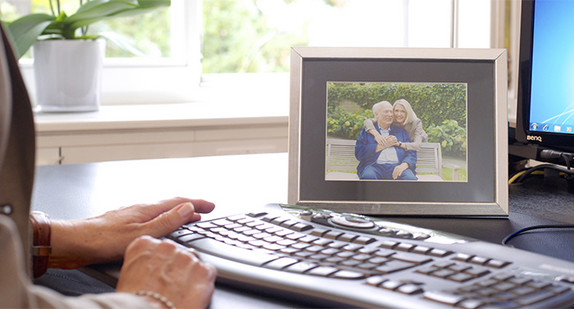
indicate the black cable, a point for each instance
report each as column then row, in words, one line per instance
column 547, row 154
column 535, row 227
column 544, row 166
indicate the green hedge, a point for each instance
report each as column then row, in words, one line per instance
column 433, row 103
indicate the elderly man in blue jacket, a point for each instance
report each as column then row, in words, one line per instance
column 387, row 160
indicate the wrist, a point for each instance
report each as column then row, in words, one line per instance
column 158, row 300
column 70, row 249
column 41, row 242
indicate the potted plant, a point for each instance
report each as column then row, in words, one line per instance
column 68, row 60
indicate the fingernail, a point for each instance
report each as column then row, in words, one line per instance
column 185, row 209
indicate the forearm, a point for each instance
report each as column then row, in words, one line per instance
column 76, row 243
column 67, row 245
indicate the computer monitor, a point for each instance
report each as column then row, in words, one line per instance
column 545, row 105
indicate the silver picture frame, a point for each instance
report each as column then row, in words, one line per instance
column 482, row 74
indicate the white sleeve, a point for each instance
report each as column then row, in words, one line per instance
column 18, row 291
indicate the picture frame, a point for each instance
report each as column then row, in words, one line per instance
column 459, row 96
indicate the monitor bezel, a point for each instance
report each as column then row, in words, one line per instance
column 307, row 188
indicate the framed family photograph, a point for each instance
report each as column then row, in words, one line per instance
column 399, row 131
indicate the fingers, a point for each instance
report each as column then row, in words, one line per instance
column 167, row 269
column 397, row 172
column 201, row 206
column 171, row 220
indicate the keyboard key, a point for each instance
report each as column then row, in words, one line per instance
column 404, row 247
column 257, row 214
column 364, row 240
column 322, row 271
column 300, row 227
column 319, row 231
column 384, row 253
column 409, row 257
column 330, row 251
column 388, row 244
column 301, row 267
column 410, row 289
column 463, row 257
column 281, row 263
column 216, row 248
column 470, row 304
column 439, row 252
column 391, row 285
column 537, row 284
column 322, row 242
column 443, row 297
column 352, row 247
column 533, row 298
column 347, row 237
column 221, row 222
column 190, row 237
column 393, row 266
column 332, row 234
column 478, row 260
column 496, row 264
column 178, row 233
column 375, row 280
column 206, row 225
column 347, row 274
column 460, row 277
column 477, row 272
column 443, row 273
column 504, row 286
column 421, row 250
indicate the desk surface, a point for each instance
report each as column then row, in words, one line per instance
column 246, row 182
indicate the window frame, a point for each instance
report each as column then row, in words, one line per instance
column 148, row 81
column 179, row 78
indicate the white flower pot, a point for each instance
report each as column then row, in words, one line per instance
column 68, row 74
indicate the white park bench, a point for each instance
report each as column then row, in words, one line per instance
column 342, row 164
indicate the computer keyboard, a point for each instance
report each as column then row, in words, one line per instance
column 324, row 258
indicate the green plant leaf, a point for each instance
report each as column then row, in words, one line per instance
column 98, row 10
column 28, row 29
column 25, row 31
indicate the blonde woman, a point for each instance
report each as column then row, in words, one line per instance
column 404, row 116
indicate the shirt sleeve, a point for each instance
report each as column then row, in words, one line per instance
column 18, row 291
column 419, row 136
column 369, row 124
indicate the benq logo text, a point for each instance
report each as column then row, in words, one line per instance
column 537, row 138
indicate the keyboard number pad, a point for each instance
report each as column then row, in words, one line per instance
column 500, row 290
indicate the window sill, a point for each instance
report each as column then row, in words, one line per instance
column 150, row 116
column 127, row 132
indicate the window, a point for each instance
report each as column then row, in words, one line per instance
column 157, row 62
column 255, row 35
column 215, row 42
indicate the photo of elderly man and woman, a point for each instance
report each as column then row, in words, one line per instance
column 396, row 131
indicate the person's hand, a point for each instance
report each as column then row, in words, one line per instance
column 378, row 137
column 105, row 238
column 399, row 169
column 391, row 140
column 162, row 267
column 386, row 142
